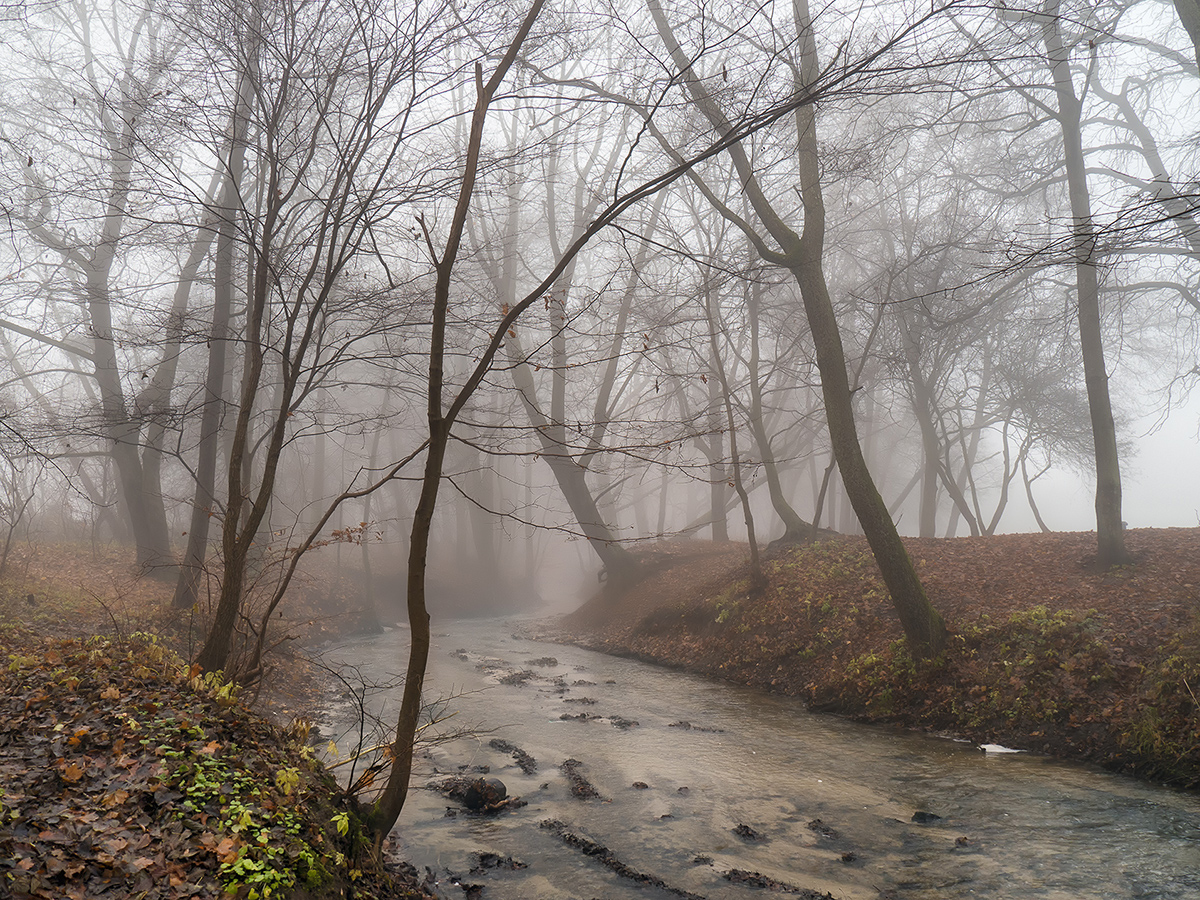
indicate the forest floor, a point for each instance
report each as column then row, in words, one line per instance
column 1046, row 653
column 125, row 773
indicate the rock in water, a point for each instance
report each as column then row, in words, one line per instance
column 484, row 793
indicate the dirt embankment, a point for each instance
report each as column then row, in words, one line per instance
column 1046, row 653
column 125, row 772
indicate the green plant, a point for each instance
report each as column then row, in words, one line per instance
column 287, row 779
column 342, row 822
column 728, row 604
column 270, row 858
column 878, row 676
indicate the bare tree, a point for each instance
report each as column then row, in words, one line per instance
column 84, row 219
column 801, row 254
column 332, row 91
column 1110, row 530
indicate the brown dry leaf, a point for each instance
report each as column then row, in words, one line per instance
column 116, row 798
column 142, row 862
column 72, row 773
column 210, row 748
column 115, row 845
column 227, row 850
column 110, row 693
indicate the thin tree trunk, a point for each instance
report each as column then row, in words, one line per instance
column 1109, row 528
column 758, row 578
column 204, row 501
column 390, row 803
column 714, row 449
column 794, row 527
column 1033, row 507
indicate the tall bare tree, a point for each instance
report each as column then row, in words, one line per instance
column 801, row 254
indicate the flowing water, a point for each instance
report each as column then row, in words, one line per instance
column 833, row 801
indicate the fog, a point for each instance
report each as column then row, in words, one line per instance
column 232, row 284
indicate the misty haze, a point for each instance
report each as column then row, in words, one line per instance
column 537, row 450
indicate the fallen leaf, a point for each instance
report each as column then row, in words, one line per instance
column 227, row 850
column 72, row 773
column 116, row 798
column 110, row 693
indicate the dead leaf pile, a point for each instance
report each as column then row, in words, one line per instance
column 86, row 807
column 98, row 741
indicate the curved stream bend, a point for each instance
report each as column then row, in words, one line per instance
column 742, row 795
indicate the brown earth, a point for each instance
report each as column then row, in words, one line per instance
column 1046, row 653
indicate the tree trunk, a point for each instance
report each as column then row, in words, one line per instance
column 620, row 566
column 714, row 449
column 794, row 527
column 146, row 513
column 204, row 501
column 1110, row 531
column 1189, row 15
column 390, row 803
column 155, row 400
column 758, row 578
column 923, row 626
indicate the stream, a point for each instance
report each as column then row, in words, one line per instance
column 828, row 805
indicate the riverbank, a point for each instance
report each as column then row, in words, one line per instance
column 1046, row 653
column 122, row 772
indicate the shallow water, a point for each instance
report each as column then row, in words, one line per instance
column 1033, row 827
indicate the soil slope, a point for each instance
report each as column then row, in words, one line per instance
column 1046, row 652
column 123, row 775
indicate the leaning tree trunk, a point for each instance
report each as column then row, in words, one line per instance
column 1110, row 531
column 620, row 566
column 801, row 255
column 923, row 626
